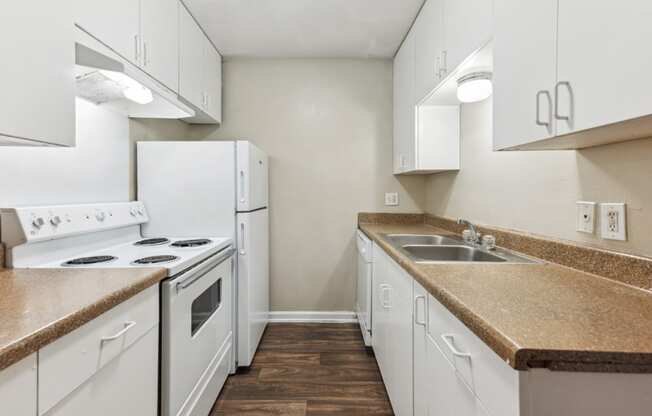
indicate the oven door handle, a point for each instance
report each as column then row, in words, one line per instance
column 219, row 259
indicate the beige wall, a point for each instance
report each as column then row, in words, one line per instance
column 327, row 126
column 537, row 191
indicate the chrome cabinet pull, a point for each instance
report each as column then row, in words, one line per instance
column 538, row 119
column 444, row 63
column 416, row 310
column 449, row 339
column 242, row 187
column 242, row 239
column 136, row 49
column 570, row 93
column 128, row 326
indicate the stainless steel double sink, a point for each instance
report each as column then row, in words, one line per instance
column 441, row 249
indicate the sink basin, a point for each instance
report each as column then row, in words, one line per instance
column 444, row 253
column 401, row 240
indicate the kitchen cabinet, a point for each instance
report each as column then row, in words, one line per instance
column 18, row 388
column 393, row 329
column 429, row 39
column 419, row 346
column 37, row 74
column 160, row 41
column 96, row 368
column 200, row 70
column 404, row 106
column 573, row 72
column 147, row 34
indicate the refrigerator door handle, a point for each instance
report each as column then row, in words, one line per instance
column 242, row 239
column 242, row 186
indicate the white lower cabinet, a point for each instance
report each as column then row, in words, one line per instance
column 18, row 388
column 392, row 329
column 97, row 368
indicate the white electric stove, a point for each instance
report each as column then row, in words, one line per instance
column 196, row 298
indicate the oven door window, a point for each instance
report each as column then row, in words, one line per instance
column 205, row 305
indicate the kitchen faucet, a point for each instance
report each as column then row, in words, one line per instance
column 475, row 235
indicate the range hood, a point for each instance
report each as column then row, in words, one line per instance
column 105, row 78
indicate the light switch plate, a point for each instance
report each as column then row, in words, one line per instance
column 391, row 199
column 585, row 217
column 613, row 223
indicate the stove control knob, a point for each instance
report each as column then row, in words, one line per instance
column 38, row 222
column 141, row 211
column 100, row 215
column 56, row 220
column 133, row 212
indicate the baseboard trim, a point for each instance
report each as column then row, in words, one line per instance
column 325, row 317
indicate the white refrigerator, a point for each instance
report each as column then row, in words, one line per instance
column 215, row 189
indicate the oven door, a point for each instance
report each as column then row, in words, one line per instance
column 196, row 322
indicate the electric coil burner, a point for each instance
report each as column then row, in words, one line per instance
column 155, row 259
column 191, row 243
column 83, row 261
column 152, row 242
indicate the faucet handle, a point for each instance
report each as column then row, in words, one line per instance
column 489, row 242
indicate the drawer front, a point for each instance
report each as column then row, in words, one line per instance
column 69, row 361
column 493, row 381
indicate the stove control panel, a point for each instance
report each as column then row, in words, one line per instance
column 32, row 224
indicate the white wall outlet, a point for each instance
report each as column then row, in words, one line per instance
column 613, row 223
column 585, row 216
column 391, row 199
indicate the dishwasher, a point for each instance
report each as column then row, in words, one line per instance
column 364, row 286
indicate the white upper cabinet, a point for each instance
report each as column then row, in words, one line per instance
column 37, row 98
column 115, row 23
column 160, row 41
column 404, row 107
column 603, row 63
column 571, row 73
column 524, row 71
column 213, row 82
column 200, row 71
column 429, row 33
column 191, row 58
column 467, row 27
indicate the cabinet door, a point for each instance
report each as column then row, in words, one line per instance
column 429, row 40
column 115, row 23
column 380, row 306
column 447, row 394
column 524, row 71
column 37, row 46
column 160, row 21
column 404, row 106
column 191, row 59
column 18, row 388
column 467, row 27
column 419, row 342
column 213, row 82
column 603, row 58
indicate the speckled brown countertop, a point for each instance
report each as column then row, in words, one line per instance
column 539, row 315
column 37, row 306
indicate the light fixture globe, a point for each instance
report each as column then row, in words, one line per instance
column 474, row 87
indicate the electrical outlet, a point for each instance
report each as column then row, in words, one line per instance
column 391, row 199
column 585, row 216
column 613, row 223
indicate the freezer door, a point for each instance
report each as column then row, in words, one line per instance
column 253, row 282
column 188, row 188
column 252, row 171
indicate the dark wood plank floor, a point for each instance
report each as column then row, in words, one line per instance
column 307, row 369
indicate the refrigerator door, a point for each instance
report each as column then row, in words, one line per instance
column 187, row 188
column 251, row 177
column 253, row 282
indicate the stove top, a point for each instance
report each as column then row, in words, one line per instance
column 197, row 242
column 152, row 241
column 156, row 259
column 83, row 261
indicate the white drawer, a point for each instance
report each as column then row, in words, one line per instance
column 493, row 381
column 69, row 361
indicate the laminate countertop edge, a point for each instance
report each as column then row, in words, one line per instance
column 518, row 355
column 25, row 344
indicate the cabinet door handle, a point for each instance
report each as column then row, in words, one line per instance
column 538, row 119
column 242, row 239
column 242, row 187
column 416, row 310
column 449, row 340
column 384, row 300
column 128, row 326
column 444, row 63
column 570, row 95
column 438, row 68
